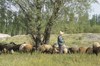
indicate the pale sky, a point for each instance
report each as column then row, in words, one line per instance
column 96, row 9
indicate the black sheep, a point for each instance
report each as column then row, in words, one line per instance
column 96, row 50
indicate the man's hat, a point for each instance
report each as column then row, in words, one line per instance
column 61, row 32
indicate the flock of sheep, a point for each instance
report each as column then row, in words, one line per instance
column 45, row 48
column 12, row 47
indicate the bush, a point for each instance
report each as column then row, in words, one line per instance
column 95, row 29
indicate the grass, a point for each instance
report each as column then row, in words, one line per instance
column 40, row 59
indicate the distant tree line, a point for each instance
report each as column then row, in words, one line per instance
column 79, row 25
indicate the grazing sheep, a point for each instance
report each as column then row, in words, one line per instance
column 56, row 44
column 45, row 48
column 3, row 48
column 12, row 51
column 89, row 50
column 12, row 43
column 65, row 50
column 21, row 48
column 55, row 49
column 96, row 44
column 29, row 48
column 9, row 46
column 82, row 49
column 96, row 50
column 73, row 49
column 16, row 47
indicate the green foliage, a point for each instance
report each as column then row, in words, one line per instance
column 93, row 21
column 72, row 17
column 95, row 29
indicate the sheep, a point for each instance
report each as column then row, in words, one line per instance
column 16, row 47
column 96, row 50
column 73, row 49
column 21, row 48
column 96, row 44
column 65, row 50
column 29, row 48
column 12, row 51
column 56, row 44
column 9, row 46
column 55, row 49
column 12, row 43
column 45, row 48
column 3, row 48
column 82, row 49
column 89, row 50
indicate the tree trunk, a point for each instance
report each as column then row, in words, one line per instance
column 38, row 20
column 50, row 23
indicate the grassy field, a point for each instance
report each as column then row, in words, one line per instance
column 40, row 59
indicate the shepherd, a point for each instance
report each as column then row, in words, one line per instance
column 60, row 42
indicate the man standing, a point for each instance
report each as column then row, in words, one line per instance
column 60, row 42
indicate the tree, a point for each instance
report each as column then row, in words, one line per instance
column 2, row 16
column 43, row 14
column 93, row 20
column 99, row 19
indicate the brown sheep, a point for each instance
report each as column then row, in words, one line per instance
column 73, row 49
column 82, row 49
column 46, row 48
column 29, row 48
column 89, row 50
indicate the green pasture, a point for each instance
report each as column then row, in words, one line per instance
column 40, row 59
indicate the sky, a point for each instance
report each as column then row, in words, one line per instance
column 95, row 9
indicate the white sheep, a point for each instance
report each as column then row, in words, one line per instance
column 21, row 48
column 65, row 50
column 96, row 44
